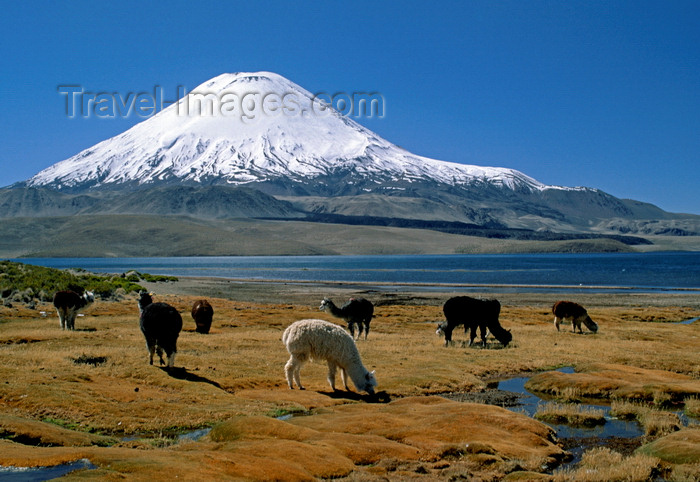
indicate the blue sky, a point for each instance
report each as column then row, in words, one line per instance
column 603, row 94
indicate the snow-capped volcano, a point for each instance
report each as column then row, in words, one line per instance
column 256, row 128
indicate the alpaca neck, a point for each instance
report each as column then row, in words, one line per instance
column 498, row 331
column 335, row 311
column 358, row 374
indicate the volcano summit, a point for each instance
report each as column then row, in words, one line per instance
column 247, row 128
column 250, row 132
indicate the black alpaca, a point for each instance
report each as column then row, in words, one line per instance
column 357, row 311
column 473, row 313
column 67, row 304
column 161, row 325
column 202, row 314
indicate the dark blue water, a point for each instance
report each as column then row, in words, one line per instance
column 37, row 474
column 530, row 403
column 640, row 271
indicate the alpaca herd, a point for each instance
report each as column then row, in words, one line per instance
column 314, row 339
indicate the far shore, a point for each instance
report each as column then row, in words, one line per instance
column 312, row 292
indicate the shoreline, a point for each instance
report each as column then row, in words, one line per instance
column 440, row 286
column 312, row 292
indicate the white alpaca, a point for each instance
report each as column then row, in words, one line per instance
column 322, row 340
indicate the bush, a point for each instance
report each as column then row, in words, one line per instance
column 570, row 414
column 28, row 282
column 604, row 465
column 692, row 407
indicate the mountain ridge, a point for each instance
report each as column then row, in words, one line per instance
column 188, row 144
column 218, row 153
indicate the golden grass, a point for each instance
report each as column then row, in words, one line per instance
column 570, row 414
column 625, row 410
column 656, row 423
column 604, row 465
column 681, row 447
column 620, row 381
column 237, row 371
column 692, row 407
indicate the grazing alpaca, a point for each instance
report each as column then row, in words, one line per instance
column 160, row 324
column 68, row 303
column 357, row 311
column 564, row 310
column 202, row 314
column 473, row 313
column 321, row 340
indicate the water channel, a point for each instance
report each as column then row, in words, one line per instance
column 620, row 435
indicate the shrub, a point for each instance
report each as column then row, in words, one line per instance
column 625, row 410
column 656, row 423
column 570, row 414
column 692, row 407
column 604, row 465
column 27, row 282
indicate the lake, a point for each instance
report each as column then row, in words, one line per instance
column 645, row 272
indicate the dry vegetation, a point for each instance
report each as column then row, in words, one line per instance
column 656, row 423
column 94, row 386
column 569, row 414
column 605, row 465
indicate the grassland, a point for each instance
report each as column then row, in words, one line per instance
column 91, row 393
column 123, row 235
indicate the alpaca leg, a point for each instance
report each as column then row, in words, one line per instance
column 61, row 318
column 171, row 360
column 331, row 374
column 472, row 335
column 70, row 319
column 484, row 334
column 359, row 330
column 557, row 321
column 344, row 375
column 151, row 352
column 292, row 370
column 576, row 322
column 351, row 328
column 159, row 350
column 366, row 329
column 289, row 372
column 297, row 374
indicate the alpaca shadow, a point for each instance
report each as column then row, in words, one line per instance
column 497, row 345
column 181, row 373
column 379, row 397
column 85, row 329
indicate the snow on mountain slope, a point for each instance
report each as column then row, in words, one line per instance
column 254, row 127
